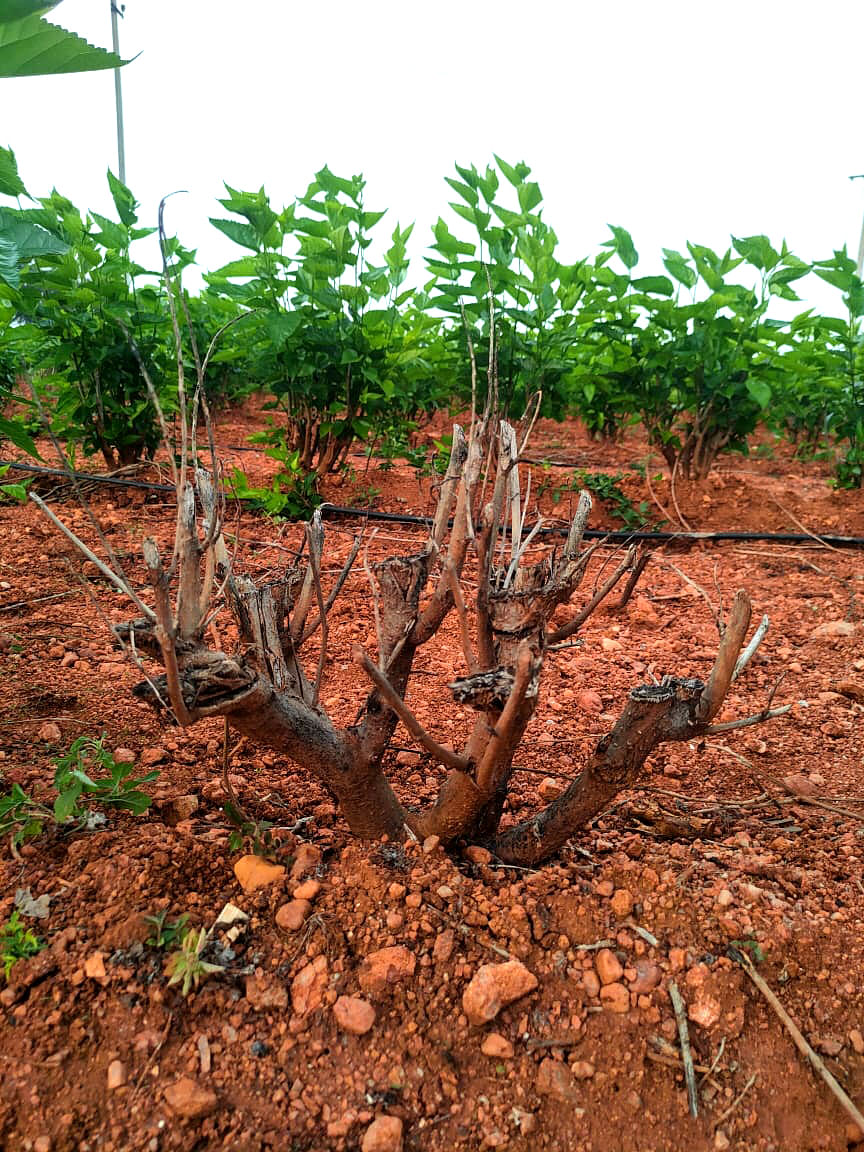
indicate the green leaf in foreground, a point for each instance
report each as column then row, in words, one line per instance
column 33, row 47
column 14, row 431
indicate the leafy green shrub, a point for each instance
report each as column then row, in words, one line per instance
column 702, row 372
column 330, row 335
column 842, row 354
column 509, row 269
column 89, row 302
column 811, row 386
column 345, row 352
column 10, row 365
column 21, row 239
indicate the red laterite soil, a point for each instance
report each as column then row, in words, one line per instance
column 714, row 848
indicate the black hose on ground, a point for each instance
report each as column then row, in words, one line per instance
column 338, row 511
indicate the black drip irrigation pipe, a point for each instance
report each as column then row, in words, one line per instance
column 339, row 511
column 94, row 477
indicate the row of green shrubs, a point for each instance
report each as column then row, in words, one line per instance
column 345, row 349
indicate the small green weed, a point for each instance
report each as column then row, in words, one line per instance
column 607, row 488
column 16, row 492
column 74, row 782
column 393, row 444
column 17, row 942
column 442, row 454
column 430, row 463
column 750, row 948
column 765, row 451
column 418, row 458
column 257, row 832
column 185, row 966
column 849, row 469
column 293, row 492
column 366, row 497
column 292, row 495
column 166, row 933
column 119, row 789
column 21, row 815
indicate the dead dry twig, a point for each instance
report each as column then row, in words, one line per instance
column 798, row 1038
column 153, row 1055
column 686, row 1055
column 728, row 1112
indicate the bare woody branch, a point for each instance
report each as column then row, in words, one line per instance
column 414, row 727
column 748, row 721
column 449, row 485
column 314, row 564
column 123, row 585
column 752, row 648
column 315, row 622
column 315, row 539
column 462, row 615
column 727, row 657
column 636, row 571
column 505, row 737
column 577, row 527
column 165, row 630
column 572, row 627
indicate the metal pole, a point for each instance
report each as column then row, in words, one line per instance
column 118, row 94
column 861, row 241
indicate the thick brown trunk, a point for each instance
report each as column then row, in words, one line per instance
column 616, row 763
column 655, row 714
column 310, row 740
column 128, row 455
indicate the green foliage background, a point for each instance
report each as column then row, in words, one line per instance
column 346, row 350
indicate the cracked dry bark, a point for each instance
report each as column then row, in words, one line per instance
column 268, row 692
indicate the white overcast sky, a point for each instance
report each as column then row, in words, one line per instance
column 679, row 120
